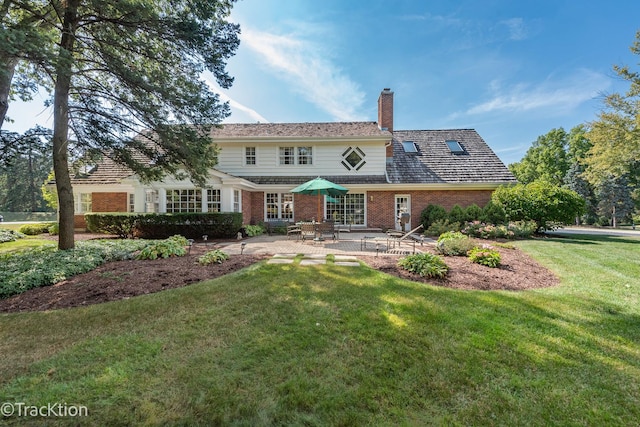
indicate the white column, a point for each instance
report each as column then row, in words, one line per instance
column 162, row 200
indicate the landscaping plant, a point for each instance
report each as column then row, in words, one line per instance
column 485, row 256
column 424, row 264
column 215, row 256
column 454, row 243
column 173, row 246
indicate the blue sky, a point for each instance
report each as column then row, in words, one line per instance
column 512, row 70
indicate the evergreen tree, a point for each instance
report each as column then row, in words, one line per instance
column 120, row 67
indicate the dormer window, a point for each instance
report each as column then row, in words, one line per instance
column 409, row 147
column 455, row 146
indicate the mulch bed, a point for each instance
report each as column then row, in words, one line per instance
column 125, row 279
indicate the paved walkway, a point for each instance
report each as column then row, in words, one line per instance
column 353, row 244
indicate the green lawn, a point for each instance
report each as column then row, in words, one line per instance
column 330, row 345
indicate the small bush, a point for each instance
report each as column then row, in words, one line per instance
column 472, row 213
column 441, row 226
column 454, row 244
column 54, row 229
column 431, row 214
column 425, row 264
column 10, row 235
column 516, row 229
column 35, row 229
column 492, row 213
column 215, row 256
column 173, row 246
column 254, row 230
column 451, row 235
column 485, row 256
column 457, row 214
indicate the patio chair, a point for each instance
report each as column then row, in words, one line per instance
column 293, row 231
column 307, row 230
column 327, row 228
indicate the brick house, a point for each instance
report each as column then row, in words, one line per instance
column 387, row 172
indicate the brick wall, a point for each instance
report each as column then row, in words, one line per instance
column 104, row 202
column 109, row 202
column 306, row 207
column 246, row 207
column 381, row 210
column 257, row 207
column 79, row 223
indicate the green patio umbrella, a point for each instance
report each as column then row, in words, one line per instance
column 320, row 187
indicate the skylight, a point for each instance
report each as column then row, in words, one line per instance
column 455, row 146
column 409, row 147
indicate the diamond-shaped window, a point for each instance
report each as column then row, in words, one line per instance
column 353, row 158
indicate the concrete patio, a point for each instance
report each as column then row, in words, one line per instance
column 350, row 243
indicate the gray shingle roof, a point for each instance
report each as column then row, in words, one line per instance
column 105, row 172
column 435, row 163
column 309, row 130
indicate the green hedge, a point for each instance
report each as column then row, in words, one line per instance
column 162, row 226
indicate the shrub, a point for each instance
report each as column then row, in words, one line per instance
column 431, row 214
column 54, row 229
column 522, row 229
column 485, row 256
column 441, row 226
column 10, row 235
column 451, row 235
column 472, row 213
column 492, row 213
column 35, row 229
column 215, row 256
column 190, row 225
column 425, row 264
column 540, row 201
column 173, row 246
column 454, row 244
column 120, row 224
column 254, row 230
column 457, row 214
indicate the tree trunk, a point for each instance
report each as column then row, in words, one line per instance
column 7, row 68
column 61, row 127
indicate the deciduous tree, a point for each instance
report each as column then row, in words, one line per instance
column 615, row 135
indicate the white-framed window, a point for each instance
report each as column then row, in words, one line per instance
column 214, row 201
column 132, row 202
column 295, row 155
column 151, row 201
column 287, row 155
column 279, row 206
column 184, row 200
column 83, row 202
column 237, row 202
column 250, row 157
column 348, row 209
column 305, row 155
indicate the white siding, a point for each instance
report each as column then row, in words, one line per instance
column 327, row 157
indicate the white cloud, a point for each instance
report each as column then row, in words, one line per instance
column 555, row 95
column 304, row 65
column 235, row 105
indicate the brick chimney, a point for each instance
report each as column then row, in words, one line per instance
column 385, row 110
column 385, row 117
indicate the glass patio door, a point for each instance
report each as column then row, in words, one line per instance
column 402, row 206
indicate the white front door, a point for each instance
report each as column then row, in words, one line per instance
column 403, row 205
